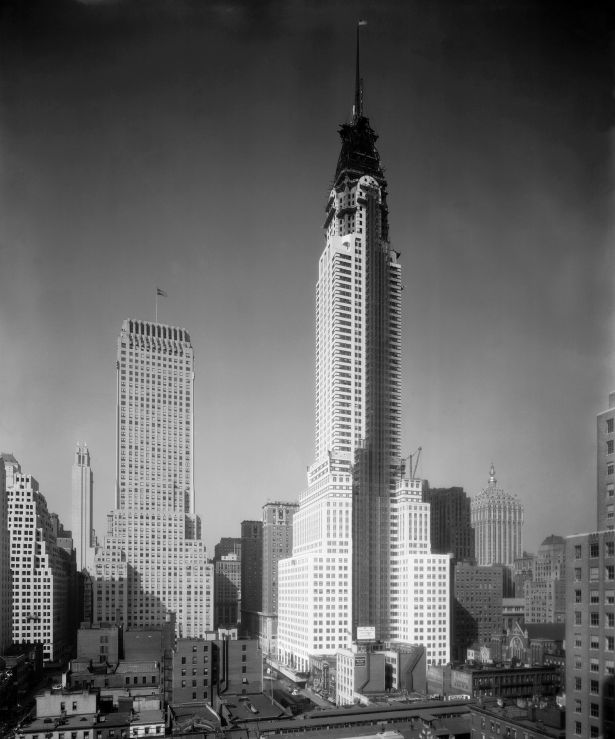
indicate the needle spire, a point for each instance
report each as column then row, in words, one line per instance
column 357, row 111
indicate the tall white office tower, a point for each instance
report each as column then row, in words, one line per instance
column 42, row 576
column 6, row 583
column 154, row 531
column 337, row 579
column 82, row 509
column 420, row 580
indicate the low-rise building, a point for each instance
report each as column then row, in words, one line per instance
column 364, row 673
column 66, row 703
column 194, row 671
column 359, row 673
column 241, row 667
column 99, row 643
column 494, row 720
column 506, row 682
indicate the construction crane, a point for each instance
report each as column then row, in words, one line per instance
column 407, row 464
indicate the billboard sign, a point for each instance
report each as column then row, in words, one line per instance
column 366, row 633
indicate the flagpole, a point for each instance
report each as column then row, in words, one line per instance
column 156, row 308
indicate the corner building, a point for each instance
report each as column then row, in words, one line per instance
column 152, row 568
column 329, row 586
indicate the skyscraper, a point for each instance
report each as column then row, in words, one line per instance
column 497, row 518
column 251, row 576
column 6, row 586
column 590, row 634
column 154, row 526
column 341, row 532
column 42, row 576
column 227, row 590
column 82, row 508
column 277, row 545
column 606, row 466
column 419, row 600
column 477, row 606
column 590, row 603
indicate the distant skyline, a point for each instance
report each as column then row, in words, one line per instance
column 192, row 146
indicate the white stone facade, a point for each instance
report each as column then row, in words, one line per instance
column 6, row 588
column 315, row 584
column 41, row 576
column 420, row 580
column 82, row 509
column 154, row 530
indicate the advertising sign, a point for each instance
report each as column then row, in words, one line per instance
column 366, row 633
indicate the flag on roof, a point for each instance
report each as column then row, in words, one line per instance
column 161, row 292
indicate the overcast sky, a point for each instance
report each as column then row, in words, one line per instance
column 191, row 145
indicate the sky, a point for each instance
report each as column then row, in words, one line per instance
column 191, row 145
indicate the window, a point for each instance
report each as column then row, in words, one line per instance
column 578, row 706
column 577, row 574
column 594, row 549
column 610, row 643
column 578, row 596
column 609, row 446
column 594, row 618
column 578, row 618
column 578, row 553
column 594, row 687
column 594, row 596
column 578, row 683
column 594, row 710
column 578, row 728
column 609, row 425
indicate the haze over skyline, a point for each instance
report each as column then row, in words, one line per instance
column 166, row 143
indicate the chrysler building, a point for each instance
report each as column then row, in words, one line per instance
column 337, row 579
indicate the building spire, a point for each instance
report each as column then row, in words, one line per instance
column 357, row 109
column 492, row 480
